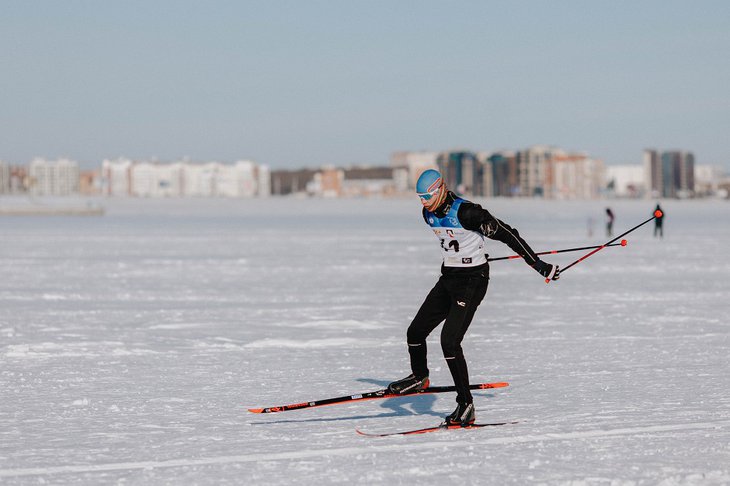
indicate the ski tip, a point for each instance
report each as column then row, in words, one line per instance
column 624, row 242
column 367, row 434
column 501, row 384
column 256, row 410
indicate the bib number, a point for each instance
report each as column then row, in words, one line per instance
column 453, row 245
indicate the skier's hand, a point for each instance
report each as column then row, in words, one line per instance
column 547, row 270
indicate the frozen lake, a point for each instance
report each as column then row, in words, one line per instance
column 132, row 344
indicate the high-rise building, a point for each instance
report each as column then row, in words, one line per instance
column 677, row 174
column 653, row 173
column 463, row 172
column 534, row 170
column 575, row 176
column 505, row 182
column 687, row 174
column 487, row 174
column 670, row 173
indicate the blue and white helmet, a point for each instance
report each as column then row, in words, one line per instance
column 431, row 189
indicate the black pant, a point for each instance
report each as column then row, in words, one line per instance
column 454, row 298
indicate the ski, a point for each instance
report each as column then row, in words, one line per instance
column 374, row 395
column 432, row 429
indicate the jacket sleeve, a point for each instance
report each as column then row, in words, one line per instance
column 475, row 218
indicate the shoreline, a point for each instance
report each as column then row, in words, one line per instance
column 51, row 212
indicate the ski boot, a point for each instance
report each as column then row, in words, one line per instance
column 463, row 415
column 409, row 384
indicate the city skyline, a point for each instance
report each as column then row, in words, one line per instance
column 293, row 85
column 538, row 171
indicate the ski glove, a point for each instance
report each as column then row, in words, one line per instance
column 547, row 270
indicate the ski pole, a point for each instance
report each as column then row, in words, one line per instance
column 552, row 252
column 657, row 214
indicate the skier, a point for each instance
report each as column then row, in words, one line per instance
column 609, row 222
column 659, row 222
column 461, row 227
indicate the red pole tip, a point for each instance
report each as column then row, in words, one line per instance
column 624, row 242
column 658, row 214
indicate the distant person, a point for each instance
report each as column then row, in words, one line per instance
column 461, row 228
column 659, row 222
column 609, row 222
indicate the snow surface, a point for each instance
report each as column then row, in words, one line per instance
column 132, row 344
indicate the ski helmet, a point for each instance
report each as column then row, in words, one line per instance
column 431, row 189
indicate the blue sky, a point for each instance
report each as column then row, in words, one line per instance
column 306, row 83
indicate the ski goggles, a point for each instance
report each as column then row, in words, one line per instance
column 432, row 191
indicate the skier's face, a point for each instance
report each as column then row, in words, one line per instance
column 434, row 196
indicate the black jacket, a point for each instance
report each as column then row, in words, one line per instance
column 475, row 218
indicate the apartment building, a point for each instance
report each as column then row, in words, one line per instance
column 669, row 174
column 53, row 177
column 575, row 176
column 116, row 177
column 185, row 179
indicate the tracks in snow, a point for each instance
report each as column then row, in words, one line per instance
column 346, row 451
